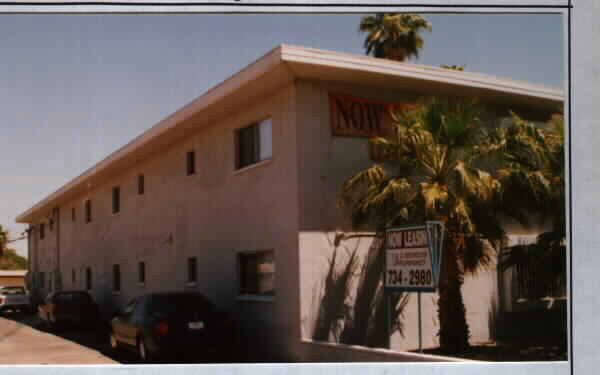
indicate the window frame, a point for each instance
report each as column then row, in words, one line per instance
column 88, row 279
column 116, row 278
column 192, row 270
column 141, row 273
column 257, row 147
column 190, row 162
column 141, row 184
column 116, row 199
column 88, row 210
column 245, row 292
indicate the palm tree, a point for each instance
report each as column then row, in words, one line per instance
column 443, row 164
column 541, row 186
column 393, row 36
column 3, row 239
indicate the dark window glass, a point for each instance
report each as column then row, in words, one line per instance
column 116, row 278
column 116, row 199
column 88, row 211
column 42, row 280
column 191, row 162
column 141, row 272
column 254, row 143
column 42, row 231
column 73, row 214
column 73, row 276
column 88, row 278
column 51, row 224
column 257, row 273
column 192, row 277
column 141, row 184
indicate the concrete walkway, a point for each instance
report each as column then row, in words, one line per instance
column 23, row 345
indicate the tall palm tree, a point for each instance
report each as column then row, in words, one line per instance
column 3, row 239
column 443, row 164
column 393, row 36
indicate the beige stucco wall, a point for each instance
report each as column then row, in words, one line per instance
column 213, row 215
column 324, row 163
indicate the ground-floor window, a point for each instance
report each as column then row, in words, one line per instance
column 116, row 278
column 88, row 278
column 42, row 280
column 141, row 272
column 257, row 272
column 192, row 270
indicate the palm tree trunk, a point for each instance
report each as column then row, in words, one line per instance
column 454, row 331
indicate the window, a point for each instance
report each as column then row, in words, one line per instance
column 73, row 214
column 141, row 184
column 88, row 278
column 254, row 143
column 51, row 224
column 73, row 279
column 116, row 278
column 88, row 211
column 191, row 162
column 42, row 281
column 141, row 272
column 42, row 231
column 257, row 273
column 116, row 199
column 192, row 276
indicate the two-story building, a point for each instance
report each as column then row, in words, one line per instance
column 235, row 196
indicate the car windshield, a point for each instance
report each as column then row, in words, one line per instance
column 12, row 290
column 181, row 304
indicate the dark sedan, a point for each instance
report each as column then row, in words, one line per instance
column 69, row 307
column 177, row 323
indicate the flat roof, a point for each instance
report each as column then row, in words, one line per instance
column 278, row 68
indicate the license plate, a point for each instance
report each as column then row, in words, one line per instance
column 196, row 325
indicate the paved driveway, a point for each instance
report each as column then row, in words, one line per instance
column 21, row 344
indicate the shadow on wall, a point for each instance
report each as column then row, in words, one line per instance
column 353, row 307
column 493, row 319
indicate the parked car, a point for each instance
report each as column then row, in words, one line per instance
column 69, row 307
column 14, row 298
column 177, row 323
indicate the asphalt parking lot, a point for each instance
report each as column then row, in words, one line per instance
column 21, row 343
column 25, row 339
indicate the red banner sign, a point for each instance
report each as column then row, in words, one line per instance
column 355, row 117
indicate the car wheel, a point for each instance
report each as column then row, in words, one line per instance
column 142, row 350
column 114, row 344
column 52, row 322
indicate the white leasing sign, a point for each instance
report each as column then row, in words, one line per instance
column 409, row 264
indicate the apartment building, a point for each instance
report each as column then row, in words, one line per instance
column 234, row 196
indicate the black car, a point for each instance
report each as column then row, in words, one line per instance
column 74, row 306
column 173, row 324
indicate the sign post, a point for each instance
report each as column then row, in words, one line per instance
column 413, row 262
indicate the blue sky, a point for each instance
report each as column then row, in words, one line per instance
column 77, row 87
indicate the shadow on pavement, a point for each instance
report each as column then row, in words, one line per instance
column 97, row 338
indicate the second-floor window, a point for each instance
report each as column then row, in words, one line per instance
column 254, row 143
column 42, row 231
column 88, row 211
column 116, row 199
column 190, row 162
column 141, row 184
